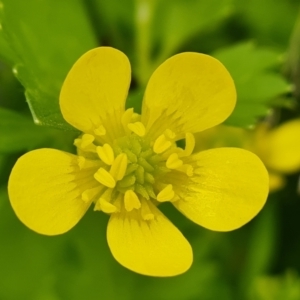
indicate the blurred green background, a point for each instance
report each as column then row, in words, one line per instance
column 258, row 41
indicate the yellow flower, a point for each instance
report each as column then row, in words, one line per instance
column 278, row 148
column 129, row 163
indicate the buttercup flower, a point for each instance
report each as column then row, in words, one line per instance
column 126, row 163
column 277, row 147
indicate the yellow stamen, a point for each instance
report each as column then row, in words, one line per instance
column 81, row 162
column 189, row 144
column 146, row 213
column 105, row 178
column 131, row 200
column 106, row 206
column 126, row 118
column 106, row 154
column 119, row 166
column 86, row 140
column 166, row 194
column 138, row 128
column 161, row 144
column 187, row 169
column 173, row 162
column 90, row 194
column 170, row 134
column 100, row 131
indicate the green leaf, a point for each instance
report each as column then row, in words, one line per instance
column 18, row 132
column 182, row 19
column 47, row 37
column 256, row 82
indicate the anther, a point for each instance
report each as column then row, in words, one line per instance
column 105, row 178
column 138, row 128
column 119, row 166
column 105, row 206
column 166, row 194
column 189, row 144
column 146, row 213
column 131, row 200
column 126, row 118
column 173, row 162
column 187, row 169
column 106, row 154
column 86, row 140
column 90, row 194
column 161, row 144
column 100, row 131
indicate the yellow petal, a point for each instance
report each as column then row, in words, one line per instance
column 188, row 93
column 154, row 247
column 283, row 147
column 96, row 85
column 228, row 188
column 44, row 192
column 277, row 182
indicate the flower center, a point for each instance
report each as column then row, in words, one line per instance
column 131, row 169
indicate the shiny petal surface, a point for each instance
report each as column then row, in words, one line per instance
column 154, row 247
column 283, row 147
column 229, row 187
column 45, row 191
column 96, row 86
column 189, row 92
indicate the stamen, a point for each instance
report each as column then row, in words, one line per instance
column 187, row 169
column 100, row 131
column 84, row 163
column 106, row 154
column 90, row 194
column 86, row 140
column 170, row 134
column 166, row 194
column 126, row 118
column 138, row 128
column 173, row 162
column 119, row 167
column 146, row 213
column 106, row 206
column 105, row 178
column 189, row 144
column 131, row 200
column 161, row 144
column 81, row 161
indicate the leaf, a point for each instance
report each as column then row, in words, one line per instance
column 182, row 19
column 18, row 132
column 47, row 37
column 256, row 83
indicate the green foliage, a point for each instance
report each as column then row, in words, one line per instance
column 256, row 83
column 18, row 132
column 46, row 37
column 185, row 19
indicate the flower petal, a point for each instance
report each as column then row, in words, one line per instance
column 283, row 147
column 189, row 92
column 229, row 187
column 154, row 247
column 277, row 181
column 96, row 85
column 44, row 192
